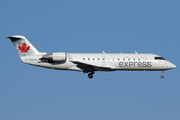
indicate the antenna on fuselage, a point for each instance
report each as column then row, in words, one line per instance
column 103, row 52
column 136, row 52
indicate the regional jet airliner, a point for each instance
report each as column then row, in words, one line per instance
column 89, row 62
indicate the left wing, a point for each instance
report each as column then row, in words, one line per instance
column 88, row 67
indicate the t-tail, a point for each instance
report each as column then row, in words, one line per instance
column 23, row 46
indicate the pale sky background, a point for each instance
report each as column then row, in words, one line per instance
column 33, row 93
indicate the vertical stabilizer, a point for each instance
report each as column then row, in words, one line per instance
column 23, row 46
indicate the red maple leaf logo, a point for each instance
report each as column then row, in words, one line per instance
column 24, row 48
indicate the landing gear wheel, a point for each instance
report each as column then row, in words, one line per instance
column 90, row 75
column 162, row 76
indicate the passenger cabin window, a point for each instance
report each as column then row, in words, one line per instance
column 83, row 58
column 93, row 58
column 88, row 58
column 159, row 58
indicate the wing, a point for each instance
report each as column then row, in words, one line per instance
column 88, row 67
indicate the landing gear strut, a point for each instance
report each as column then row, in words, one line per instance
column 90, row 75
column 162, row 76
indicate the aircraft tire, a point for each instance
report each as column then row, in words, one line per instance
column 90, row 75
column 162, row 76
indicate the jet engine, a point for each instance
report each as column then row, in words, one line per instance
column 56, row 57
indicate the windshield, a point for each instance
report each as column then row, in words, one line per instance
column 159, row 58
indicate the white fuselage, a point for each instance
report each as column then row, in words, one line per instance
column 111, row 61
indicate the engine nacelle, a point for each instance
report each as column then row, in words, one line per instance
column 59, row 56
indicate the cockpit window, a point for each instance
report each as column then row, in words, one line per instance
column 159, row 58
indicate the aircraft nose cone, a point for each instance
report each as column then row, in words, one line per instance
column 173, row 66
column 170, row 65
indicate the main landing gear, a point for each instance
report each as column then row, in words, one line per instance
column 90, row 75
column 162, row 76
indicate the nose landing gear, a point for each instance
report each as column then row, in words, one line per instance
column 90, row 75
column 162, row 76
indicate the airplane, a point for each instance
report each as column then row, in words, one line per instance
column 89, row 62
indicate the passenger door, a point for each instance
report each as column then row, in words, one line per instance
column 145, row 61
